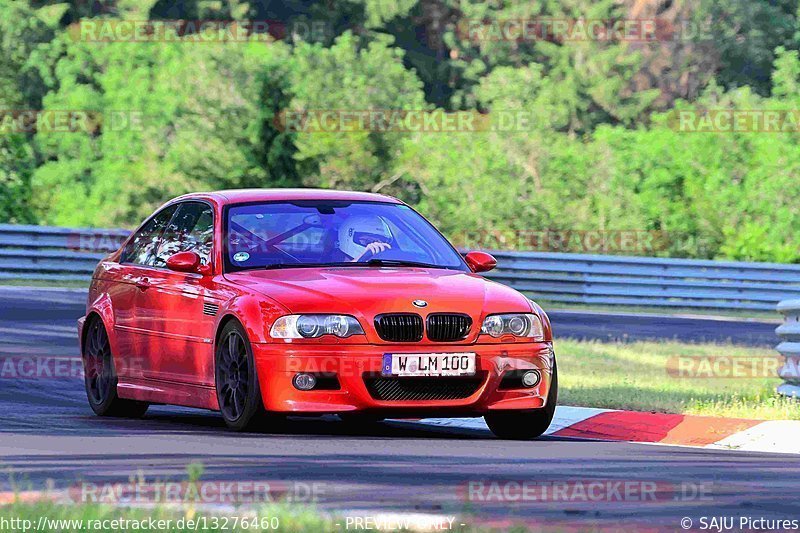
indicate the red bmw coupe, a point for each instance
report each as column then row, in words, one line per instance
column 261, row 303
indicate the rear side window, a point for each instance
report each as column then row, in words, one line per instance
column 190, row 230
column 141, row 248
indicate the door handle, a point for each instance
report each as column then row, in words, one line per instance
column 143, row 284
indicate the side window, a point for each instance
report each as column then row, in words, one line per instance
column 190, row 230
column 141, row 247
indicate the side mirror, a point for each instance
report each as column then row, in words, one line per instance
column 480, row 261
column 187, row 262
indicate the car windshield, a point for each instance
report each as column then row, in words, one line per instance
column 333, row 233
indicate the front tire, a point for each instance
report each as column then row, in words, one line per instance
column 100, row 377
column 238, row 390
column 529, row 424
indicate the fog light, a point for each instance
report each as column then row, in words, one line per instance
column 531, row 378
column 304, row 381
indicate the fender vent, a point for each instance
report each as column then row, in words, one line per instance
column 210, row 309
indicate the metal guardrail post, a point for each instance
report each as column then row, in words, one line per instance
column 789, row 332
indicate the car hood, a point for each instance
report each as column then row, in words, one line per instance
column 369, row 291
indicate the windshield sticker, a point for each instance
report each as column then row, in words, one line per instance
column 240, row 257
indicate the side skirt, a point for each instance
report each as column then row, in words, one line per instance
column 170, row 393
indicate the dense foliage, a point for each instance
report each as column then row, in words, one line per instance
column 599, row 148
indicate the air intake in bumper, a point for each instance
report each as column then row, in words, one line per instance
column 390, row 389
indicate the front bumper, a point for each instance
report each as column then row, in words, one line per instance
column 277, row 364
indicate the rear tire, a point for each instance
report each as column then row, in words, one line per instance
column 100, row 376
column 529, row 424
column 238, row 390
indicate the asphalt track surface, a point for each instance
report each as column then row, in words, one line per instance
column 49, row 435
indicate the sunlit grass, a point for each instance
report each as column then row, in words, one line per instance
column 32, row 509
column 765, row 316
column 635, row 376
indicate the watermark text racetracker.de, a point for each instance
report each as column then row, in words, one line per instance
column 197, row 31
column 627, row 241
column 590, row 491
column 68, row 121
column 732, row 367
column 562, row 29
column 46, row 367
column 198, row 492
column 403, row 120
column 735, row 120
column 95, row 240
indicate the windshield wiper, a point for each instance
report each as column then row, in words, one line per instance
column 399, row 262
column 371, row 262
column 278, row 266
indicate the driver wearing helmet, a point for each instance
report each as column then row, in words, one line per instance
column 364, row 236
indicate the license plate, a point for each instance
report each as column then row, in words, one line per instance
column 428, row 364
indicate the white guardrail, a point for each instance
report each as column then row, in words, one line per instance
column 39, row 252
column 48, row 253
column 789, row 332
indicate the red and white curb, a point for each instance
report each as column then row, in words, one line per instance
column 779, row 436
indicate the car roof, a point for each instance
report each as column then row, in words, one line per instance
column 235, row 196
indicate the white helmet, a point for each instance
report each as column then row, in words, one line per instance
column 357, row 232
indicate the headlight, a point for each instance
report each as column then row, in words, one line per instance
column 517, row 324
column 313, row 326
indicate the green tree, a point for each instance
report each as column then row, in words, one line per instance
column 176, row 117
column 24, row 41
column 351, row 75
column 745, row 34
column 589, row 78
